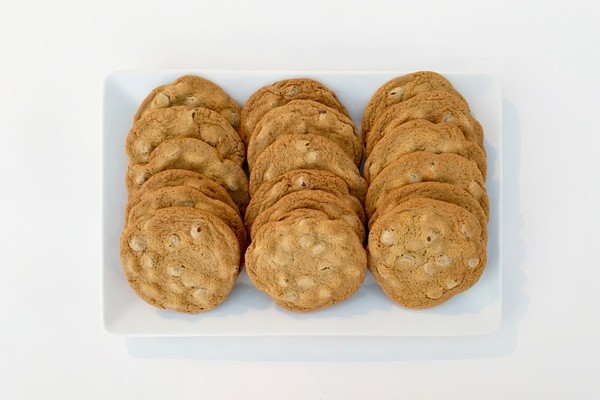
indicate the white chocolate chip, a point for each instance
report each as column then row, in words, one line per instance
column 142, row 146
column 311, row 157
column 434, row 293
column 406, row 259
column 464, row 229
column 475, row 189
column 195, row 231
column 451, row 283
column 140, row 177
column 322, row 115
column 473, row 262
column 175, row 271
column 162, row 100
column 191, row 101
column 232, row 183
column 306, row 241
column 324, row 293
column 172, row 240
column 396, row 93
column 290, row 296
column 137, row 243
column 387, row 237
column 432, row 166
column 202, row 295
column 282, row 280
column 449, row 118
column 305, row 282
column 413, row 177
column 170, row 150
column 302, row 181
column 429, row 269
column 318, row 248
column 147, row 261
column 443, row 260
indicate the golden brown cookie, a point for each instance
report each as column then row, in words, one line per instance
column 333, row 206
column 306, row 152
column 181, row 177
column 194, row 155
column 424, row 251
column 183, row 196
column 167, row 123
column 282, row 92
column 436, row 191
column 432, row 106
column 300, row 179
column 181, row 258
column 422, row 135
column 301, row 117
column 306, row 261
column 424, row 166
column 192, row 91
column 401, row 89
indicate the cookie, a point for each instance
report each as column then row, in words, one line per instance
column 436, row 191
column 282, row 92
column 183, row 196
column 167, row 123
column 401, row 89
column 306, row 261
column 422, row 135
column 334, row 207
column 192, row 91
column 194, row 155
column 306, row 152
column 181, row 177
column 300, row 179
column 424, row 251
column 180, row 258
column 424, row 166
column 432, row 106
column 301, row 117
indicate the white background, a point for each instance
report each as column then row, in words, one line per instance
column 55, row 56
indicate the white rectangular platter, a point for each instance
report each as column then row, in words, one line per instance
column 248, row 312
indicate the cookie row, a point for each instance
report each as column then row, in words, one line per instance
column 305, row 217
column 183, row 233
column 427, row 203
